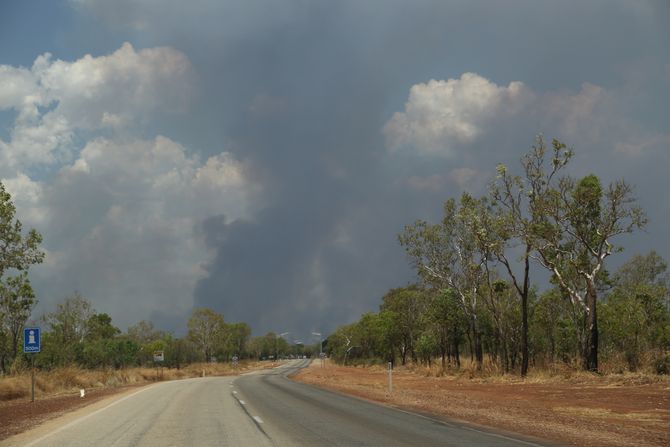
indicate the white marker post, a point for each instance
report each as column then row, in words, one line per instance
column 390, row 377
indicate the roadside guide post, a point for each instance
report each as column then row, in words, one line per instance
column 321, row 354
column 32, row 344
column 390, row 377
column 159, row 358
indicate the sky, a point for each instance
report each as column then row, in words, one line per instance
column 260, row 157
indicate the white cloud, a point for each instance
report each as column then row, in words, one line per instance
column 124, row 85
column 119, row 213
column 123, row 218
column 27, row 196
column 17, row 85
column 440, row 114
column 449, row 118
column 55, row 99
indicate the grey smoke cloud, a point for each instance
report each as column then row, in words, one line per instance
column 299, row 150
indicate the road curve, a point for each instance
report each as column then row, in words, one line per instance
column 263, row 408
column 296, row 414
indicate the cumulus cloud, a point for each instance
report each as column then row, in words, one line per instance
column 17, row 87
column 119, row 212
column 55, row 98
column 453, row 117
column 27, row 196
column 440, row 114
column 123, row 222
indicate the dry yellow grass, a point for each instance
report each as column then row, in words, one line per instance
column 554, row 373
column 71, row 379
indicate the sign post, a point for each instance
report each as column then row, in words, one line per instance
column 159, row 358
column 32, row 344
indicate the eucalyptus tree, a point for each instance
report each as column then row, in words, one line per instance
column 445, row 318
column 17, row 300
column 490, row 237
column 517, row 206
column 205, row 329
column 238, row 335
column 408, row 305
column 636, row 316
column 446, row 255
column 574, row 224
column 17, row 253
column 68, row 326
column 340, row 341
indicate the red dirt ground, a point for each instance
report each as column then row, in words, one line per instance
column 596, row 411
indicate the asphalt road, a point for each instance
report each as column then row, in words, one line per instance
column 263, row 408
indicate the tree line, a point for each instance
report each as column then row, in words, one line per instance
column 475, row 293
column 76, row 334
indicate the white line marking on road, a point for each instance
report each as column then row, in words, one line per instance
column 242, row 402
column 258, row 419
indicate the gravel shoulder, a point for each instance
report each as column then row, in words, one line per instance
column 601, row 411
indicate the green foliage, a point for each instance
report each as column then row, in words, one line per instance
column 206, row 330
column 568, row 227
column 553, row 330
column 99, row 326
column 635, row 318
column 16, row 251
column 17, row 300
column 661, row 364
column 238, row 335
column 446, row 319
column 17, row 254
column 69, row 327
column 426, row 347
column 403, row 308
column 268, row 346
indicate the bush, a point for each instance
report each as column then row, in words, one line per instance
column 662, row 365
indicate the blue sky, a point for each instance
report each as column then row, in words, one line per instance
column 260, row 157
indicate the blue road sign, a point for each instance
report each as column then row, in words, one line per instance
column 31, row 339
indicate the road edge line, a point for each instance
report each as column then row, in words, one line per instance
column 83, row 418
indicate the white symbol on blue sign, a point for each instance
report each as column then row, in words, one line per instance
column 31, row 339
